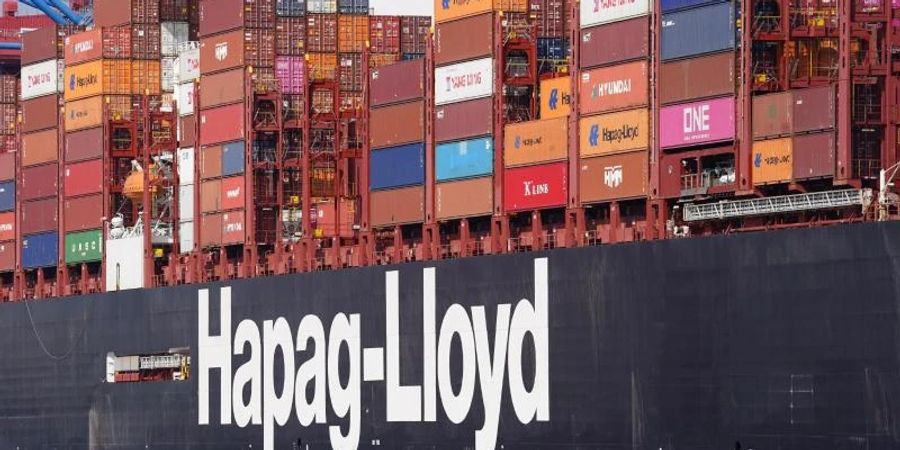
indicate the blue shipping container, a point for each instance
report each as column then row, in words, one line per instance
column 290, row 7
column 7, row 196
column 465, row 159
column 397, row 167
column 232, row 158
column 697, row 31
column 552, row 48
column 40, row 250
column 353, row 6
column 668, row 6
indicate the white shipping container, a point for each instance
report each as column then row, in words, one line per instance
column 186, row 203
column 321, row 6
column 598, row 12
column 186, row 237
column 171, row 36
column 167, row 67
column 123, row 270
column 464, row 81
column 184, row 96
column 188, row 67
column 43, row 78
column 185, row 165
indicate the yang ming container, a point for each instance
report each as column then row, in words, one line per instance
column 397, row 206
column 598, row 12
column 464, row 39
column 397, row 83
column 466, row 198
column 697, row 123
column 40, row 250
column 397, row 167
column 464, row 120
column 464, row 81
column 696, row 78
column 697, row 31
column 464, row 159
column 615, row 43
column 397, row 124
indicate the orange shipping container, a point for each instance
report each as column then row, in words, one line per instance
column 210, row 196
column 773, row 161
column 40, row 147
column 7, row 226
column 467, row 198
column 556, row 97
column 534, row 142
column 353, row 32
column 107, row 76
column 614, row 177
column 398, row 124
column 612, row 88
column 211, row 230
column 445, row 11
column 614, row 132
column 398, row 206
column 322, row 66
column 85, row 113
column 146, row 77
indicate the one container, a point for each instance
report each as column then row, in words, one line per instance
column 464, row 120
column 611, row 88
column 211, row 230
column 222, row 52
column 697, row 31
column 813, row 156
column 462, row 40
column 40, row 250
column 814, row 109
column 464, row 81
column 398, row 124
column 696, row 123
column 42, row 78
column 39, row 182
column 291, row 74
column 7, row 226
column 83, row 213
column 186, row 203
column 7, row 165
column 40, row 147
column 772, row 115
column 217, row 16
column 222, row 124
column 598, row 12
column 211, row 162
column 84, row 145
column 39, row 215
column 40, row 44
column 222, row 88
column 614, row 177
column 185, row 161
column 556, row 97
column 535, row 187
column 615, row 132
column 397, row 166
column 233, row 228
column 7, row 196
column 81, row 114
column 186, row 237
column 615, row 43
column 232, row 196
column 397, row 83
column 8, row 256
column 211, row 196
column 773, row 161
column 83, row 47
column 464, row 159
column 84, row 246
column 695, row 78
column 40, row 113
column 535, row 142
column 233, row 154
column 466, row 198
column 84, row 178
column 397, row 206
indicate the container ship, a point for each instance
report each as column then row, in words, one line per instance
column 525, row 224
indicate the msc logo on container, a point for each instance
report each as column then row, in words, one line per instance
column 613, row 176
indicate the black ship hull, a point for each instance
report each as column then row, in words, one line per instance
column 786, row 340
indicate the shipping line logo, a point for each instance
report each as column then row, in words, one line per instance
column 221, row 51
column 326, row 363
column 610, row 4
column 612, row 135
column 615, row 87
column 613, row 176
column 82, row 82
column 83, row 46
column 532, row 188
column 39, row 79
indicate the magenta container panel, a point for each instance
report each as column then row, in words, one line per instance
column 290, row 71
column 697, row 123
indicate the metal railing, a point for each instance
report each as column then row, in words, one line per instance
column 775, row 205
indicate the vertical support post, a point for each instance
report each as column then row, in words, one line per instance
column 574, row 211
column 844, row 168
column 146, row 199
column 430, row 231
column 744, row 140
column 499, row 221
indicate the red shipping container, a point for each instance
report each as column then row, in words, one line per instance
column 397, row 206
column 694, row 78
column 384, row 34
column 615, row 42
column 232, row 196
column 397, row 83
column 40, row 113
column 259, row 47
column 464, row 120
column 613, row 88
column 351, row 72
column 120, row 12
column 221, row 52
column 353, row 32
column 9, row 88
column 233, row 228
column 535, row 187
column 84, row 178
column 40, row 147
column 222, row 88
column 290, row 36
column 550, row 17
column 39, row 216
column 377, row 60
column 222, row 124
column 464, row 39
column 814, row 109
column 386, row 129
column 188, row 130
column 175, row 10
column 211, row 196
column 83, row 213
column 321, row 33
column 7, row 226
column 41, row 44
column 414, row 32
column 85, row 144
column 7, row 256
column 211, row 230
column 145, row 41
column 39, row 182
column 814, row 156
column 217, row 16
column 8, row 118
column 7, row 166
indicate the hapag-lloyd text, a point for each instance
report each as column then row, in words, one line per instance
column 410, row 403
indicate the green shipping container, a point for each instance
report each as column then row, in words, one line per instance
column 84, row 246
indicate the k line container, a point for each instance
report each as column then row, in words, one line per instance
column 39, row 182
column 397, row 166
column 40, row 113
column 7, row 196
column 614, row 177
column 397, row 83
column 43, row 78
column 535, row 142
column 697, row 31
column 464, row 159
column 7, row 256
column 398, row 124
column 222, row 124
column 464, row 120
column 81, row 114
column 697, row 123
column 232, row 196
column 464, row 81
column 598, row 12
column 615, row 132
column 535, row 187
column 466, row 198
column 615, row 43
column 7, row 226
column 773, row 161
column 40, row 147
column 84, row 178
column 84, row 145
column 40, row 250
column 38, row 216
column 695, row 78
column 556, row 97
column 83, row 213
column 222, row 88
column 464, row 39
column 397, row 206
column 611, row 88
column 84, row 246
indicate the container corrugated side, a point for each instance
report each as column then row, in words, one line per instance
column 39, row 216
column 40, row 79
column 695, row 78
column 186, row 237
column 772, row 115
column 612, row 88
column 222, row 52
column 466, row 198
column 40, row 250
column 675, row 5
column 397, row 83
column 222, row 88
column 40, row 147
column 233, row 194
column 813, row 156
column 397, row 124
column 7, row 196
column 556, row 97
column 464, row 159
column 83, row 213
column 445, row 11
column 814, row 109
column 615, row 43
column 85, row 113
column 397, row 166
column 614, row 132
column 39, row 45
column 7, row 166
column 7, row 256
column 186, row 211
column 535, row 142
column 353, row 33
column 614, row 177
column 217, row 16
column 535, row 187
column 464, row 120
column 464, row 39
column 83, row 145
column 397, row 206
column 84, row 246
column 697, row 31
column 40, row 113
column 186, row 164
column 233, row 158
column 39, row 182
column 598, row 12
column 7, row 226
column 464, row 81
column 211, row 196
column 222, row 124
column 84, row 178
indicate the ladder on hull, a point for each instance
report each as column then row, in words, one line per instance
column 777, row 205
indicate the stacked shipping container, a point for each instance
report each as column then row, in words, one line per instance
column 187, row 71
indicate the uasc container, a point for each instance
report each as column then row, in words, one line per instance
column 84, row 246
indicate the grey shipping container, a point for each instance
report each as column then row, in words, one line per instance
column 616, row 42
column 353, row 6
column 232, row 158
column 697, row 31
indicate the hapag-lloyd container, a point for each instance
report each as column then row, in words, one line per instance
column 464, row 81
column 464, row 159
column 535, row 187
column 773, row 161
column 397, row 124
column 233, row 194
column 597, row 12
column 464, row 39
column 222, row 124
column 84, row 145
column 536, row 141
column 290, row 71
column 40, row 250
column 99, row 77
column 83, row 213
column 697, row 31
column 7, row 226
column 397, row 206
column 7, row 196
column 84, row 246
column 397, row 83
column 39, row 215
column 466, row 198
column 556, row 97
column 614, row 43
column 83, row 178
column 464, row 120
column 696, row 123
column 40, row 113
column 618, row 176
column 40, row 147
column 222, row 88
column 614, row 132
column 85, row 113
column 696, row 78
column 447, row 10
column 611, row 88
column 43, row 78
column 397, row 166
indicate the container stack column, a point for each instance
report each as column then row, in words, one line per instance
column 187, row 72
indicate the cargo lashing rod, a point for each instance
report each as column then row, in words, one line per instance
column 777, row 205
